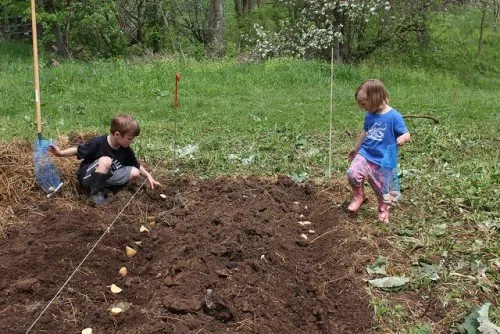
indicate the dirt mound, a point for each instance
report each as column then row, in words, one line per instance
column 221, row 256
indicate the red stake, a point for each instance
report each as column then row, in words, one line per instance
column 176, row 99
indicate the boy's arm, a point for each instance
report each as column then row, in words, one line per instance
column 404, row 138
column 69, row 152
column 151, row 180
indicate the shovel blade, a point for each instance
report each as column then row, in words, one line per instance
column 46, row 173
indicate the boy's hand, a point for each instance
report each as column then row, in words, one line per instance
column 55, row 150
column 153, row 182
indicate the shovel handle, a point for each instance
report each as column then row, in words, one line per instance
column 35, row 70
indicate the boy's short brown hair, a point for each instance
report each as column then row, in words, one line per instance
column 373, row 93
column 125, row 124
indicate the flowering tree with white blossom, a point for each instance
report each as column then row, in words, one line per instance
column 354, row 28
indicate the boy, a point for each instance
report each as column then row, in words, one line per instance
column 108, row 160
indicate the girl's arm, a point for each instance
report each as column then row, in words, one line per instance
column 356, row 147
column 404, row 138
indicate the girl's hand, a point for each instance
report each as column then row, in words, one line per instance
column 401, row 140
column 352, row 154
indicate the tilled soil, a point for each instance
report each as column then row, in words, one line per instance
column 228, row 255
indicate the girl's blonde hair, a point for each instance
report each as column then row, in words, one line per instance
column 373, row 95
column 125, row 124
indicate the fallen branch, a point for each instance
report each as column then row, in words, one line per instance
column 436, row 121
column 431, row 293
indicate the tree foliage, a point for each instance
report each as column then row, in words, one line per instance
column 107, row 28
column 354, row 28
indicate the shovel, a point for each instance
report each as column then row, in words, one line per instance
column 46, row 173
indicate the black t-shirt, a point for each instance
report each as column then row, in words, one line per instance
column 99, row 147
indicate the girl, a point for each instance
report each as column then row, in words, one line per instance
column 383, row 126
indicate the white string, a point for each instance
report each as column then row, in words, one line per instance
column 88, row 254
column 329, row 172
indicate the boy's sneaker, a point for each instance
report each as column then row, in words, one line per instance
column 99, row 198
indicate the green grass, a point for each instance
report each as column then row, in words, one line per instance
column 273, row 118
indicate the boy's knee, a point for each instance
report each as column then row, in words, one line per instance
column 104, row 164
column 134, row 173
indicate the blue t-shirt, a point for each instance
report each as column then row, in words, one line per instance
column 381, row 131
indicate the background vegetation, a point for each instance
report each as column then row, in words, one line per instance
column 415, row 33
column 240, row 115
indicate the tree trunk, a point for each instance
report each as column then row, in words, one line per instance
column 238, row 7
column 67, row 28
column 337, row 57
column 216, row 38
column 496, row 9
column 481, row 28
column 61, row 48
column 248, row 5
column 244, row 7
column 139, row 22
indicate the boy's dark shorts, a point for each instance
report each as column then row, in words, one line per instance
column 117, row 177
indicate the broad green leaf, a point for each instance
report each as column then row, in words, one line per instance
column 428, row 270
column 390, row 283
column 477, row 322
column 187, row 151
column 378, row 267
column 420, row 329
column 249, row 160
column 299, row 178
column 470, row 324
column 478, row 268
column 485, row 325
column 439, row 230
column 233, row 157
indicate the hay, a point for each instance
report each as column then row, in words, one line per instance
column 7, row 219
column 17, row 175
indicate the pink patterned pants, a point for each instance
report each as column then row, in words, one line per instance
column 361, row 170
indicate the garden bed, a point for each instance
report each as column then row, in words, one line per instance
column 231, row 254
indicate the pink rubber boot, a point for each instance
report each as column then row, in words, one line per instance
column 358, row 200
column 383, row 211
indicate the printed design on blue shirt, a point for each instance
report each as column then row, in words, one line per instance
column 376, row 132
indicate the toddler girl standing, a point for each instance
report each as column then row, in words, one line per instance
column 383, row 127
